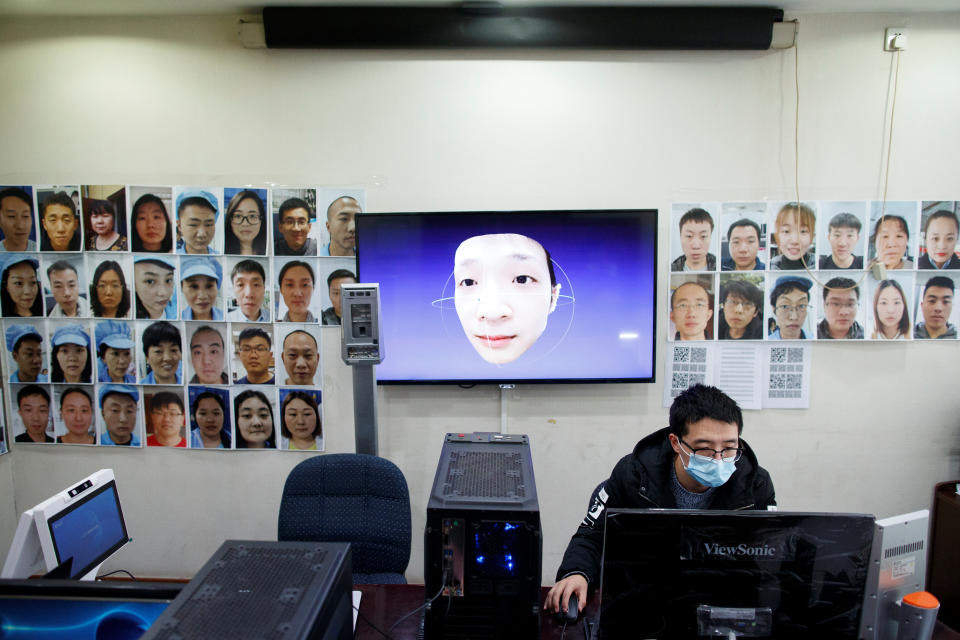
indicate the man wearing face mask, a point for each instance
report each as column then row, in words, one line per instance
column 698, row 462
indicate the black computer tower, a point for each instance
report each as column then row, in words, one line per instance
column 483, row 547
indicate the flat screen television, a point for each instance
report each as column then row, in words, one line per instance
column 509, row 297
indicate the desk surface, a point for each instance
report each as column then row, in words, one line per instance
column 382, row 605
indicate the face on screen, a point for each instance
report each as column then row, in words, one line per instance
column 503, row 294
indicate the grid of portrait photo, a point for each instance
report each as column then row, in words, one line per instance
column 818, row 270
column 171, row 316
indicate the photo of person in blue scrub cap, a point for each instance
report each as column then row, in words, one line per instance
column 25, row 345
column 114, row 352
column 197, row 214
column 200, row 280
column 118, row 407
column 155, row 289
column 70, row 359
column 20, row 286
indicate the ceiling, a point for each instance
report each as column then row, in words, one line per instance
column 207, row 7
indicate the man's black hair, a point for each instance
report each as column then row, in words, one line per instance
column 296, row 263
column 845, row 220
column 206, row 329
column 61, row 198
column 248, row 266
column 744, row 222
column 785, row 288
column 701, row 401
column 696, row 215
column 291, row 204
column 254, row 332
column 164, row 399
column 61, row 265
column 32, row 390
column 75, row 390
column 939, row 281
column 19, row 194
column 742, row 289
column 158, row 333
column 27, row 337
column 840, row 283
column 340, row 273
column 306, row 333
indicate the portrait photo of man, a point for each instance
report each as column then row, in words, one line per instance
column 696, row 238
column 340, row 227
column 841, row 298
column 63, row 281
column 33, row 413
column 338, row 277
column 300, row 355
column 25, row 346
column 166, row 417
column 790, row 301
column 119, row 411
column 198, row 215
column 16, row 219
column 208, row 357
column 691, row 308
column 295, row 218
column 936, row 305
column 743, row 245
column 254, row 351
column 843, row 237
column 247, row 298
column 59, row 222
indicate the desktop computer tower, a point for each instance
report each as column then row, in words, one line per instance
column 255, row 589
column 483, row 547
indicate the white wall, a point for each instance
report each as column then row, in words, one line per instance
column 179, row 101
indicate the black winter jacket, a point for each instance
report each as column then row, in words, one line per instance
column 642, row 480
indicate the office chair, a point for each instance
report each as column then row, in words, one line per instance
column 355, row 498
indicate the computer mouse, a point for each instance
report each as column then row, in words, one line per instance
column 573, row 610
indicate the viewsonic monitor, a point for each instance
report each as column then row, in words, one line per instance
column 757, row 574
column 520, row 296
column 77, row 530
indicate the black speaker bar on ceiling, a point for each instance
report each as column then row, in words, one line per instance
column 489, row 25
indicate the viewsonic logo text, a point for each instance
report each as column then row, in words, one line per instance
column 764, row 551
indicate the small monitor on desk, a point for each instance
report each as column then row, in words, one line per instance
column 688, row 574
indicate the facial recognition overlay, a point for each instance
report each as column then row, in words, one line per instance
column 110, row 285
column 740, row 306
column 337, row 211
column 893, row 234
column 890, row 314
column 938, row 236
column 333, row 274
column 246, row 224
column 73, row 407
column 18, row 230
column 301, row 423
column 842, row 308
column 793, row 235
column 104, row 208
column 199, row 225
column 253, row 361
column 165, row 416
column 255, row 412
column 295, row 289
column 58, row 210
column 201, row 286
column 790, row 306
column 936, row 315
column 71, row 351
column 161, row 352
column 693, row 243
column 151, row 219
column 436, row 318
column 119, row 419
column 743, row 236
column 210, row 424
column 21, row 290
column 248, row 288
column 65, row 290
column 27, row 350
column 30, row 407
column 691, row 307
column 156, row 286
column 115, row 351
column 842, row 234
column 295, row 228
column 208, row 347
column 298, row 355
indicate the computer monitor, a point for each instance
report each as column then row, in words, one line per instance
column 76, row 530
column 687, row 574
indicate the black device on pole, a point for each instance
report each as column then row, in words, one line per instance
column 483, row 547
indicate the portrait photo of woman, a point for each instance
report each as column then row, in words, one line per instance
column 300, row 423
column 155, row 288
column 210, row 424
column 76, row 416
column 200, row 280
column 70, row 359
column 115, row 352
column 891, row 236
column 254, row 415
column 20, row 286
column 104, row 229
column 151, row 225
column 245, row 231
column 891, row 312
column 109, row 293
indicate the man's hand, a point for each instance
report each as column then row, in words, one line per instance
column 559, row 594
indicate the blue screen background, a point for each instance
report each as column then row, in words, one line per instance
column 89, row 531
column 57, row 619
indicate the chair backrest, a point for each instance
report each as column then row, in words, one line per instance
column 350, row 497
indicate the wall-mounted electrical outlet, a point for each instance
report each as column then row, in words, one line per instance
column 895, row 39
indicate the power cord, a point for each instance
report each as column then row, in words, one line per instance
column 132, row 577
column 424, row 605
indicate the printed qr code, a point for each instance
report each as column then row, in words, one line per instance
column 698, row 355
column 778, row 355
column 796, row 354
column 681, row 354
column 698, row 378
column 680, row 381
column 794, row 381
column 778, row 381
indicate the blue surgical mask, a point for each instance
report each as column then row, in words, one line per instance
column 709, row 472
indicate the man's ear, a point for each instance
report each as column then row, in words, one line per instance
column 674, row 442
column 554, row 295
